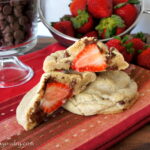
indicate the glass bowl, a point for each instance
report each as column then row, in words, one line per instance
column 51, row 11
column 18, row 28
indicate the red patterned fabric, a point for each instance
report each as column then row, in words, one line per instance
column 64, row 130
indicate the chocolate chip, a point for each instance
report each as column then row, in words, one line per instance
column 19, row 35
column 66, row 54
column 16, row 17
column 10, row 19
column 8, row 38
column 121, row 102
column 18, row 11
column 7, row 10
column 2, row 16
column 15, row 26
column 14, row 2
column 112, row 68
column 1, row 8
column 23, row 20
column 73, row 83
column 7, row 29
column 23, row 2
column 3, row 24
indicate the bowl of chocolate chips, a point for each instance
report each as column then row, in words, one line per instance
column 18, row 26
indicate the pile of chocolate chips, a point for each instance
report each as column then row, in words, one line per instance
column 16, row 19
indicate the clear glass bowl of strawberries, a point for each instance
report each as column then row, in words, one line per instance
column 71, row 20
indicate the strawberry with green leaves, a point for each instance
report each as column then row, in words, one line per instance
column 126, row 49
column 77, row 5
column 82, row 23
column 143, row 58
column 137, row 43
column 64, row 27
column 116, row 2
column 100, row 8
column 107, row 26
column 127, row 11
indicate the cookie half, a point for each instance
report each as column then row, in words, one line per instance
column 39, row 102
column 111, row 92
column 70, row 59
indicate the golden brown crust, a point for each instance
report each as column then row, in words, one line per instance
column 111, row 92
column 29, row 107
column 62, row 60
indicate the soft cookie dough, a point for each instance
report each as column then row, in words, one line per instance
column 62, row 60
column 111, row 92
column 29, row 113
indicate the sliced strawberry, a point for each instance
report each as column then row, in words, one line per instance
column 55, row 96
column 90, row 59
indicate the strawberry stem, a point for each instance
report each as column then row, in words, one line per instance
column 124, row 39
column 124, row 3
column 81, row 19
column 141, row 36
column 120, row 5
column 109, row 25
column 133, row 1
column 129, row 47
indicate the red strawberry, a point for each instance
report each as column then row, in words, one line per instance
column 138, row 44
column 116, row 2
column 104, row 34
column 107, row 26
column 55, row 96
column 100, row 8
column 91, row 34
column 116, row 43
column 128, row 13
column 65, row 27
column 143, row 58
column 120, row 30
column 77, row 5
column 83, row 23
column 126, row 52
column 128, row 55
column 90, row 59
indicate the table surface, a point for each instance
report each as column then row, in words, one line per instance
column 139, row 140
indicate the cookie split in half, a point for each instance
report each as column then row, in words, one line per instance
column 53, row 90
column 87, row 54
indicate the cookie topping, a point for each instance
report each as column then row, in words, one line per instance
column 121, row 102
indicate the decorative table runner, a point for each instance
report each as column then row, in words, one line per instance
column 64, row 130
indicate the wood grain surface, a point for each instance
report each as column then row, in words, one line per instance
column 139, row 140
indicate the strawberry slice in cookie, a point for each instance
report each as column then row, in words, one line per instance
column 55, row 96
column 91, row 58
column 87, row 54
column 53, row 90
